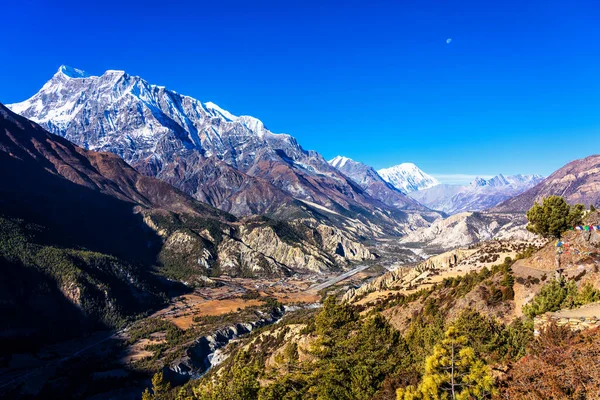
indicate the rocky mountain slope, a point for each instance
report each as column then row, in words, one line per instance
column 84, row 236
column 480, row 194
column 577, row 182
column 25, row 146
column 467, row 228
column 171, row 136
column 407, row 177
column 448, row 264
column 368, row 179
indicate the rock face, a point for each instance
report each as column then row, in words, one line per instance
column 479, row 195
column 403, row 277
column 198, row 358
column 435, row 268
column 180, row 140
column 368, row 179
column 407, row 177
column 466, row 228
column 577, row 182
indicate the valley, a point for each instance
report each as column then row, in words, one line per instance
column 156, row 246
column 119, row 361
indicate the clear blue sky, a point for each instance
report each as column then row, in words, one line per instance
column 516, row 90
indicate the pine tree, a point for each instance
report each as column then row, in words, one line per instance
column 146, row 395
column 452, row 372
column 592, row 208
column 160, row 386
column 553, row 217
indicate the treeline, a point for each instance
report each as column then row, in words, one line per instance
column 348, row 352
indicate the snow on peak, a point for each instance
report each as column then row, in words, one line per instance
column 224, row 113
column 339, row 161
column 407, row 177
column 71, row 72
column 500, row 180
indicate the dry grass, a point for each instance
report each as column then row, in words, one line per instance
column 137, row 350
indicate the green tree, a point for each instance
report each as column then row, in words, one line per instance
column 160, row 386
column 146, row 395
column 238, row 382
column 553, row 217
column 452, row 372
column 592, row 208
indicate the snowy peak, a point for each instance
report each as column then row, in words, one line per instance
column 340, row 161
column 479, row 195
column 71, row 72
column 368, row 179
column 517, row 181
column 218, row 111
column 407, row 177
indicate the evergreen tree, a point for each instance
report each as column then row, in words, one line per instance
column 452, row 372
column 160, row 386
column 146, row 395
column 553, row 217
column 592, row 208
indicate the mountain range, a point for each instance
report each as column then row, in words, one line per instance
column 479, row 195
column 231, row 162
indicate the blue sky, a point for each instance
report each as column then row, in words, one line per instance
column 516, row 91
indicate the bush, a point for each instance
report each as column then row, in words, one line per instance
column 558, row 294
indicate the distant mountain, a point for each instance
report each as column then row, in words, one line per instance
column 407, row 177
column 177, row 138
column 479, row 195
column 577, row 182
column 368, row 179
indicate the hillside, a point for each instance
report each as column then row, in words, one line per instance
column 87, row 238
column 578, row 182
column 370, row 347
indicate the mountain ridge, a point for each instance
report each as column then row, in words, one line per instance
column 578, row 182
column 479, row 195
column 167, row 135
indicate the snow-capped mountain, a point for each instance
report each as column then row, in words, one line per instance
column 516, row 181
column 368, row 179
column 172, row 136
column 407, row 177
column 480, row 194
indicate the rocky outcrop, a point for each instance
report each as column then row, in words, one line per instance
column 467, row 228
column 255, row 247
column 198, row 357
column 404, row 277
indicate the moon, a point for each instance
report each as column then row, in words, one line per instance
column 448, row 40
